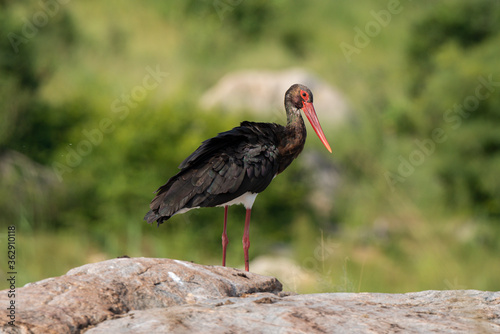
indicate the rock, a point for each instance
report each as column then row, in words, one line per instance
column 263, row 91
column 141, row 295
column 97, row 292
column 421, row 312
column 324, row 175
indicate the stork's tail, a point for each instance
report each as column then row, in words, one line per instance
column 153, row 215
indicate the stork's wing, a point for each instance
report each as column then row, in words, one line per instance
column 223, row 168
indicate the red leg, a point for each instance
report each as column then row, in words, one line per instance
column 246, row 238
column 225, row 241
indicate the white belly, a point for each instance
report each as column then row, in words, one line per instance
column 246, row 199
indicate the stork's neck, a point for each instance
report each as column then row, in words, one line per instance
column 292, row 113
column 294, row 120
column 294, row 136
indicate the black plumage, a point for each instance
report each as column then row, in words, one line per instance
column 241, row 160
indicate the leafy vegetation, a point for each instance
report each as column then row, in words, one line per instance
column 99, row 106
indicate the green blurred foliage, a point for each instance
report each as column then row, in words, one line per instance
column 468, row 25
column 454, row 54
column 78, row 164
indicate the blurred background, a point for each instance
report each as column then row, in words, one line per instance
column 101, row 101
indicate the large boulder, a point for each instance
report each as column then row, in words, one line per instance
column 263, row 92
column 421, row 312
column 143, row 295
column 94, row 293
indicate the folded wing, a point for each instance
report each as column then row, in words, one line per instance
column 223, row 168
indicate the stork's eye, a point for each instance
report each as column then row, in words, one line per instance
column 304, row 95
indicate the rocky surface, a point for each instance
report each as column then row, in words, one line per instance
column 142, row 295
column 95, row 293
column 263, row 92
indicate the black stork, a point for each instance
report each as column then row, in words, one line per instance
column 236, row 165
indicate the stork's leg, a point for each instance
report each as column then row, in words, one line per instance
column 225, row 241
column 246, row 238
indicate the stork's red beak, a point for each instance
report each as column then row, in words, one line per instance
column 313, row 119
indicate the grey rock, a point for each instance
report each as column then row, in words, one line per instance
column 321, row 172
column 421, row 312
column 97, row 292
column 262, row 91
column 142, row 295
